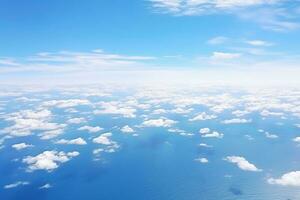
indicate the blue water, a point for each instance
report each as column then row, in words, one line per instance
column 157, row 164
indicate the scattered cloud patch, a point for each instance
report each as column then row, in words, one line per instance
column 20, row 146
column 242, row 163
column 288, row 179
column 77, row 141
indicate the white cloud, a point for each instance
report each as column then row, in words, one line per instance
column 214, row 134
column 288, row 179
column 46, row 186
column 91, row 129
column 48, row 160
column 224, row 56
column 205, row 145
column 201, row 160
column 103, row 139
column 259, row 43
column 217, row 40
column 271, row 136
column 127, row 129
column 20, row 146
column 203, row 116
column 27, row 121
column 204, row 130
column 77, row 141
column 236, row 121
column 50, row 134
column 296, row 139
column 66, row 103
column 162, row 122
column 267, row 113
column 242, row 163
column 16, row 184
column 77, row 120
column 114, row 109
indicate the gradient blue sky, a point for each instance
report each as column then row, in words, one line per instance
column 220, row 35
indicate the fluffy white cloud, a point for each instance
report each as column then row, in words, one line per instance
column 127, row 129
column 296, row 139
column 267, row 113
column 66, row 103
column 236, row 121
column 242, row 163
column 27, row 121
column 201, row 160
column 162, row 122
column 204, row 145
column 288, row 179
column 77, row 120
column 48, row 160
column 91, row 129
column 203, row 116
column 204, row 130
column 114, row 108
column 77, row 141
column 103, row 139
column 20, row 146
column 214, row 134
column 271, row 136
column 46, row 135
column 16, row 184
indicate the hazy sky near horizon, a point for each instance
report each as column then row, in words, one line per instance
column 90, row 41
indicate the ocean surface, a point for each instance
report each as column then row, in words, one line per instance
column 161, row 153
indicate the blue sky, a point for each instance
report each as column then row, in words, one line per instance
column 42, row 37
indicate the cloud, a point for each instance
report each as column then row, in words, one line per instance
column 51, row 134
column 288, row 179
column 201, row 160
column 66, row 103
column 114, row 108
column 103, row 139
column 205, row 145
column 214, row 134
column 162, row 122
column 203, row 116
column 127, row 129
column 271, row 136
column 273, row 14
column 267, row 113
column 77, row 120
column 242, row 163
column 204, row 130
column 217, row 40
column 91, row 129
column 296, row 139
column 77, row 141
column 224, row 56
column 27, row 121
column 48, row 160
column 236, row 121
column 16, row 184
column 259, row 43
column 46, row 186
column 20, row 146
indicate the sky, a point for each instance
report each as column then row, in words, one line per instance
column 149, row 40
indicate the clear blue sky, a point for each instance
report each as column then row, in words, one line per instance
column 161, row 33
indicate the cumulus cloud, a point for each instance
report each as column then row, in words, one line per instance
column 204, row 130
column 77, row 120
column 236, row 121
column 66, row 103
column 203, row 116
column 27, row 121
column 259, row 43
column 48, row 160
column 127, row 129
column 271, row 136
column 214, row 134
column 91, row 129
column 224, row 56
column 288, row 179
column 296, row 139
column 202, row 160
column 103, row 139
column 162, row 122
column 16, row 184
column 242, row 163
column 20, row 146
column 46, row 135
column 77, row 141
column 267, row 113
column 114, row 108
